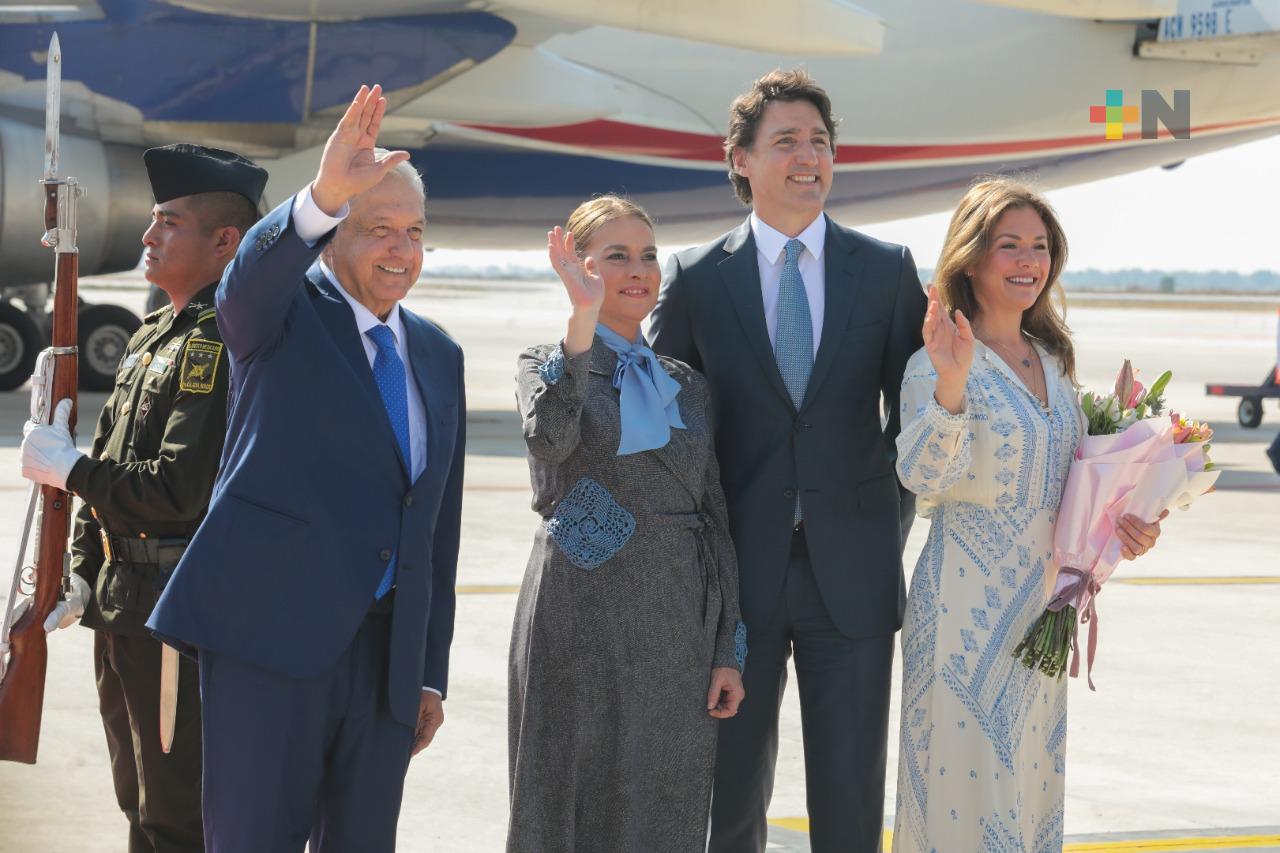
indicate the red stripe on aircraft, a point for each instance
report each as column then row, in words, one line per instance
column 638, row 140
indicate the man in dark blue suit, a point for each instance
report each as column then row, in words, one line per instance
column 802, row 327
column 318, row 593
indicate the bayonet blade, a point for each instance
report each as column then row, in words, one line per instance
column 168, row 695
column 52, row 107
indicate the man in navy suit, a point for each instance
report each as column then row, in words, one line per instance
column 318, row 593
column 802, row 327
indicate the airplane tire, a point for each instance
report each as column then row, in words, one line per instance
column 104, row 333
column 20, row 343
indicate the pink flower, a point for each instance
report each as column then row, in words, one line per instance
column 1127, row 388
column 1138, row 388
column 1185, row 430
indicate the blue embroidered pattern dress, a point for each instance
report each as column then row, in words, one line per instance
column 629, row 599
column 981, row 752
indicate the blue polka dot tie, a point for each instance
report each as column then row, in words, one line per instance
column 793, row 344
column 388, row 372
column 793, row 341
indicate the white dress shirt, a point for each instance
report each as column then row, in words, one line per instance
column 311, row 223
column 771, row 255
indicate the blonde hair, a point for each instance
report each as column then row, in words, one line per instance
column 968, row 241
column 593, row 214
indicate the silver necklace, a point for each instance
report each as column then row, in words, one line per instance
column 1030, row 376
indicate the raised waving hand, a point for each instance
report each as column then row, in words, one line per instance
column 584, row 286
column 349, row 164
column 950, row 347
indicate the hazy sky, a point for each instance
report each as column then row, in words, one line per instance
column 1216, row 212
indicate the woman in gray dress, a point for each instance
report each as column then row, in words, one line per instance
column 627, row 645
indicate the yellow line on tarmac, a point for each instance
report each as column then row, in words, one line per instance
column 485, row 589
column 1134, row 845
column 1200, row 581
column 1171, row 845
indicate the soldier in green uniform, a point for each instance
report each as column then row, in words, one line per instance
column 146, row 486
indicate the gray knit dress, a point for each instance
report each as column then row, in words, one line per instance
column 629, row 599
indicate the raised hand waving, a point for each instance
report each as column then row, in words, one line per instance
column 950, row 347
column 584, row 286
column 349, row 164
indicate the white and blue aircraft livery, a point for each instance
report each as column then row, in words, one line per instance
column 516, row 110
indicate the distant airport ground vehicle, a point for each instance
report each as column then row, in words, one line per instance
column 1249, row 412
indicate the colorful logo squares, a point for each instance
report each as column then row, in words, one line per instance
column 1114, row 114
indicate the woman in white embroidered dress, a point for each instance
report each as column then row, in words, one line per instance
column 990, row 422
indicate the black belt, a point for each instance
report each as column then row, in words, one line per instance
column 164, row 553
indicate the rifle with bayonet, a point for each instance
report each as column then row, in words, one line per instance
column 23, row 651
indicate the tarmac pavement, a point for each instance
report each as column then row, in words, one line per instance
column 1179, row 748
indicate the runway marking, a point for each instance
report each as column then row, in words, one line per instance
column 1201, row 581
column 1131, row 845
column 485, row 589
column 1171, row 845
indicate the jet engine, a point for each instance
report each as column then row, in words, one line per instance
column 113, row 212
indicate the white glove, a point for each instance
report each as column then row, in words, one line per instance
column 64, row 613
column 48, row 451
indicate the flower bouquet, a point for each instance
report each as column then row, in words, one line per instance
column 1135, row 460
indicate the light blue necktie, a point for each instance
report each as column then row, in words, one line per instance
column 793, row 342
column 388, row 372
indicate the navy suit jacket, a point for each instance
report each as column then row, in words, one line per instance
column 833, row 451
column 312, row 499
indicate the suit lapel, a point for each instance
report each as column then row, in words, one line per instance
column 740, row 273
column 335, row 314
column 436, row 385
column 842, row 265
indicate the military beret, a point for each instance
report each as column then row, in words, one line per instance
column 184, row 169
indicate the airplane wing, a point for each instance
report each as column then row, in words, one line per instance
column 1094, row 10
column 817, row 27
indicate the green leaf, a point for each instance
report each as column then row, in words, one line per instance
column 1157, row 387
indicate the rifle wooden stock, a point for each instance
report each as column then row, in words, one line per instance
column 22, row 692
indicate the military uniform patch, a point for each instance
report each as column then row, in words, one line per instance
column 199, row 366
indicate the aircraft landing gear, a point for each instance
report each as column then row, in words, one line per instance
column 20, row 342
column 104, row 332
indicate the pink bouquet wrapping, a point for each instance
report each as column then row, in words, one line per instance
column 1133, row 461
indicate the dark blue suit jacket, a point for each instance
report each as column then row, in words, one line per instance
column 833, row 451
column 312, row 499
